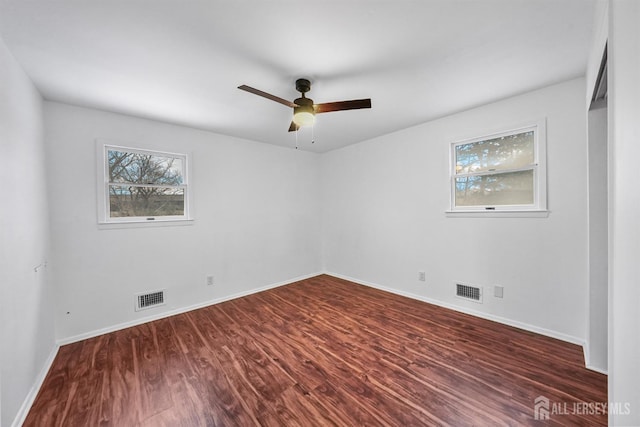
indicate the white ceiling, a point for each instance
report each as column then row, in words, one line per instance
column 181, row 61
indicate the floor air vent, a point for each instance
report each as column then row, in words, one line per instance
column 149, row 300
column 472, row 293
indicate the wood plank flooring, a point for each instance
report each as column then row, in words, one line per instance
column 320, row 352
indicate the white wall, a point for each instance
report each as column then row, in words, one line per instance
column 26, row 305
column 256, row 209
column 624, row 249
column 384, row 204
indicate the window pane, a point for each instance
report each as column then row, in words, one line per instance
column 127, row 201
column 138, row 168
column 506, row 152
column 514, row 188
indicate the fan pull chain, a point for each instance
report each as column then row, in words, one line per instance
column 296, row 132
column 313, row 138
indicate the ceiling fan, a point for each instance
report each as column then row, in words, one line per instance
column 304, row 110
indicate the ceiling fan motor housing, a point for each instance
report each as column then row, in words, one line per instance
column 303, row 102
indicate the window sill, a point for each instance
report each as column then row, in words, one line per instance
column 145, row 224
column 497, row 214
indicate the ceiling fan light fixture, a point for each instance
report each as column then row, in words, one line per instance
column 304, row 115
column 304, row 110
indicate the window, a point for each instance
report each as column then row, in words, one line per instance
column 500, row 172
column 142, row 186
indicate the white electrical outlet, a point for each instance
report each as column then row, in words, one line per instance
column 209, row 280
column 422, row 276
column 498, row 291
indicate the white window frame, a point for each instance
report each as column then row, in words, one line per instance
column 104, row 214
column 539, row 167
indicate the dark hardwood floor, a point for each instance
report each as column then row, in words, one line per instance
column 320, row 352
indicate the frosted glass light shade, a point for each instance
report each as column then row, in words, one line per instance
column 304, row 116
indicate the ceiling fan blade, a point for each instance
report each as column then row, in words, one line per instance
column 294, row 127
column 267, row 95
column 342, row 105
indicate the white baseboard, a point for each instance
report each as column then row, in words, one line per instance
column 506, row 321
column 596, row 369
column 587, row 361
column 98, row 332
column 33, row 392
